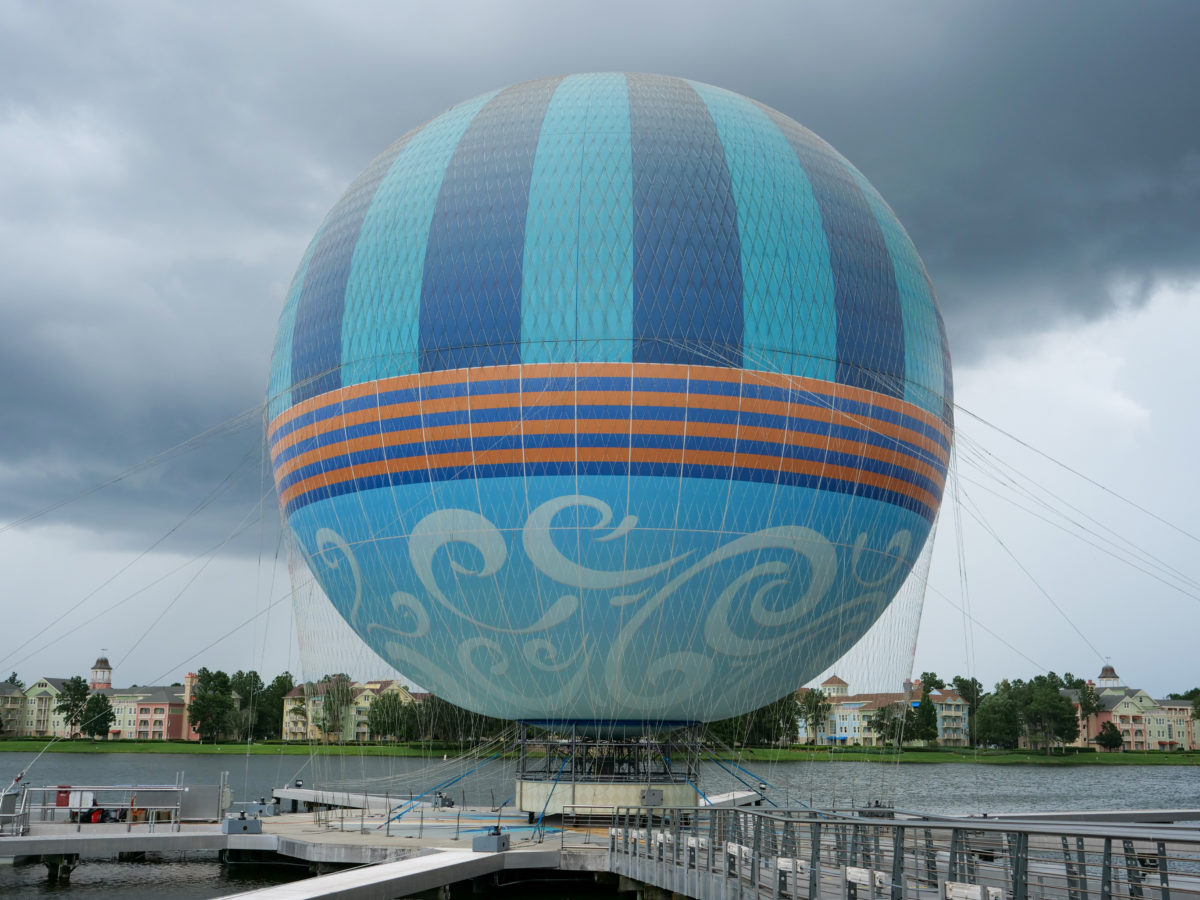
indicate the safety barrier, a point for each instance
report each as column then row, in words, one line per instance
column 872, row 855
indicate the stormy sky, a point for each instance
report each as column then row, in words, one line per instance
column 163, row 166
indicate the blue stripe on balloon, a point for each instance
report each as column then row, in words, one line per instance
column 922, row 347
column 641, row 412
column 382, row 301
column 620, row 469
column 799, row 400
column 870, row 325
column 687, row 268
column 568, row 437
column 578, row 265
column 471, row 285
column 279, row 387
column 317, row 338
column 636, row 441
column 787, row 293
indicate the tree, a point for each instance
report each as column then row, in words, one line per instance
column 774, row 723
column 971, row 691
column 998, row 721
column 336, row 701
column 1089, row 701
column 98, row 716
column 269, row 721
column 212, row 709
column 14, row 679
column 1046, row 711
column 1109, row 737
column 891, row 722
column 71, row 700
column 931, row 682
column 247, row 688
column 386, row 717
column 813, row 710
column 924, row 724
column 777, row 721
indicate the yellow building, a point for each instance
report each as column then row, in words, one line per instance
column 850, row 714
column 305, row 718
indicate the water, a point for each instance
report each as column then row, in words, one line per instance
column 952, row 788
column 184, row 878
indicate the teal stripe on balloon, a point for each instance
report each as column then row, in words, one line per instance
column 279, row 386
column 787, row 292
column 577, row 271
column 923, row 367
column 379, row 327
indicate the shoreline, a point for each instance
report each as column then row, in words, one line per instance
column 911, row 757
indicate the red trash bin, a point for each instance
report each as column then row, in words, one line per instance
column 62, row 797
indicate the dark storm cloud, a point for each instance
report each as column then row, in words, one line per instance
column 163, row 166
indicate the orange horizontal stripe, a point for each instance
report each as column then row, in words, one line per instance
column 483, row 430
column 820, row 414
column 618, row 370
column 609, row 454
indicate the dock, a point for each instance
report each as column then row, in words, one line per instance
column 727, row 849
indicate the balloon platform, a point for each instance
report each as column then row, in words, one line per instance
column 573, row 772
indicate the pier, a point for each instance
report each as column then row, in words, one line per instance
column 729, row 849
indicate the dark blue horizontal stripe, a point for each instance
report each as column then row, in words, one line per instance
column 638, row 441
column 786, row 479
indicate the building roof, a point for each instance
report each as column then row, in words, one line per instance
column 1171, row 702
column 1108, row 672
column 834, row 680
column 101, row 663
column 59, row 684
column 148, row 694
column 9, row 688
column 319, row 688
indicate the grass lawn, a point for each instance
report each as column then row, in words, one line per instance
column 986, row 757
column 87, row 746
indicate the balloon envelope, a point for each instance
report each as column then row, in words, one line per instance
column 610, row 399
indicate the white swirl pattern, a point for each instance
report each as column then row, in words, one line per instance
column 755, row 619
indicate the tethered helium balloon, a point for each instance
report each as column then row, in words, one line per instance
column 610, row 399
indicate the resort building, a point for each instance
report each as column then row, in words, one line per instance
column 849, row 718
column 150, row 712
column 12, row 705
column 1144, row 723
column 39, row 718
column 305, row 716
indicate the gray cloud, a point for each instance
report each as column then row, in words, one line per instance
column 162, row 169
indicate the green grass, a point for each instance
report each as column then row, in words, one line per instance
column 819, row 754
column 985, row 757
column 189, row 747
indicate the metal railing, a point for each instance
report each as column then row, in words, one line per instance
column 13, row 819
column 83, row 805
column 815, row 854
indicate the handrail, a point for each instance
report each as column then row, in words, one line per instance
column 124, row 808
column 852, row 855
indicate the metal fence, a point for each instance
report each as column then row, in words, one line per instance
column 881, row 855
column 13, row 820
column 84, row 805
